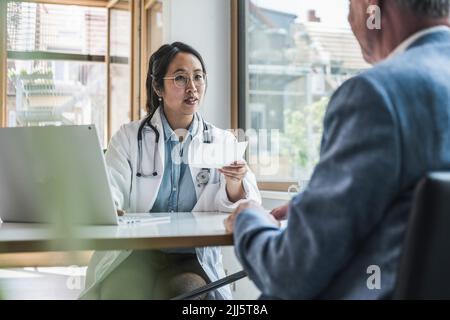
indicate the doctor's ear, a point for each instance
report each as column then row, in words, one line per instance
column 159, row 94
column 157, row 89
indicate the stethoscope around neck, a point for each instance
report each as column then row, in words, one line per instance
column 202, row 177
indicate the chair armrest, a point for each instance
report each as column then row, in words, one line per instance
column 211, row 286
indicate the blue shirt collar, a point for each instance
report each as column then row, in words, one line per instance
column 170, row 134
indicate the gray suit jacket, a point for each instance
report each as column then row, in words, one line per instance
column 383, row 131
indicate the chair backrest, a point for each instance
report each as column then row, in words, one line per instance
column 424, row 271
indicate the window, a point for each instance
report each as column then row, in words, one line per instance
column 76, row 62
column 294, row 56
column 56, row 65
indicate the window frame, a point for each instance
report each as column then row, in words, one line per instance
column 3, row 62
column 147, row 43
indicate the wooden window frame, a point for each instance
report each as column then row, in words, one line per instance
column 147, row 7
column 234, row 64
column 3, row 63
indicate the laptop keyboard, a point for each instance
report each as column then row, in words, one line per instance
column 137, row 218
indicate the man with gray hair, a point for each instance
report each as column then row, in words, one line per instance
column 383, row 131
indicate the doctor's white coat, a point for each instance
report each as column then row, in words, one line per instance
column 134, row 194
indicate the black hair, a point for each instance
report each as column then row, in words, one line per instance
column 157, row 69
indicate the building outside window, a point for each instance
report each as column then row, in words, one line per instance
column 297, row 53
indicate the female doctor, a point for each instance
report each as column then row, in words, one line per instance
column 148, row 172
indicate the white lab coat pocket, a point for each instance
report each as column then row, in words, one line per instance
column 206, row 200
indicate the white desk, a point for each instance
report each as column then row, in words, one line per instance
column 183, row 230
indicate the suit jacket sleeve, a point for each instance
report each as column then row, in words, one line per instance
column 352, row 185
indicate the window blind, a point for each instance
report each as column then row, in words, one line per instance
column 56, row 28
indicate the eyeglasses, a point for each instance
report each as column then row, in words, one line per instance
column 181, row 80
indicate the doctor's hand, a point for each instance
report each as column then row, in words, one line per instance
column 235, row 172
column 253, row 205
column 120, row 212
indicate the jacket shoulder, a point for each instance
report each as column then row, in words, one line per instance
column 131, row 126
column 413, row 65
column 126, row 133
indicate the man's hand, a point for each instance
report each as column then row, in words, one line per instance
column 280, row 213
column 120, row 212
column 229, row 222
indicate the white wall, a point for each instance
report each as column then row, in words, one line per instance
column 205, row 25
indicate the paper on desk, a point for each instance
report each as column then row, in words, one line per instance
column 217, row 155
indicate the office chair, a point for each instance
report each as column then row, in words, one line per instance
column 424, row 271
column 211, row 286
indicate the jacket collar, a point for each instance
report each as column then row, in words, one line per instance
column 170, row 134
column 419, row 37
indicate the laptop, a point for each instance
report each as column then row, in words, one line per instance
column 57, row 174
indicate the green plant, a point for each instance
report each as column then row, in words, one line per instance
column 304, row 132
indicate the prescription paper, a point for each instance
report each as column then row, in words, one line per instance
column 217, row 155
